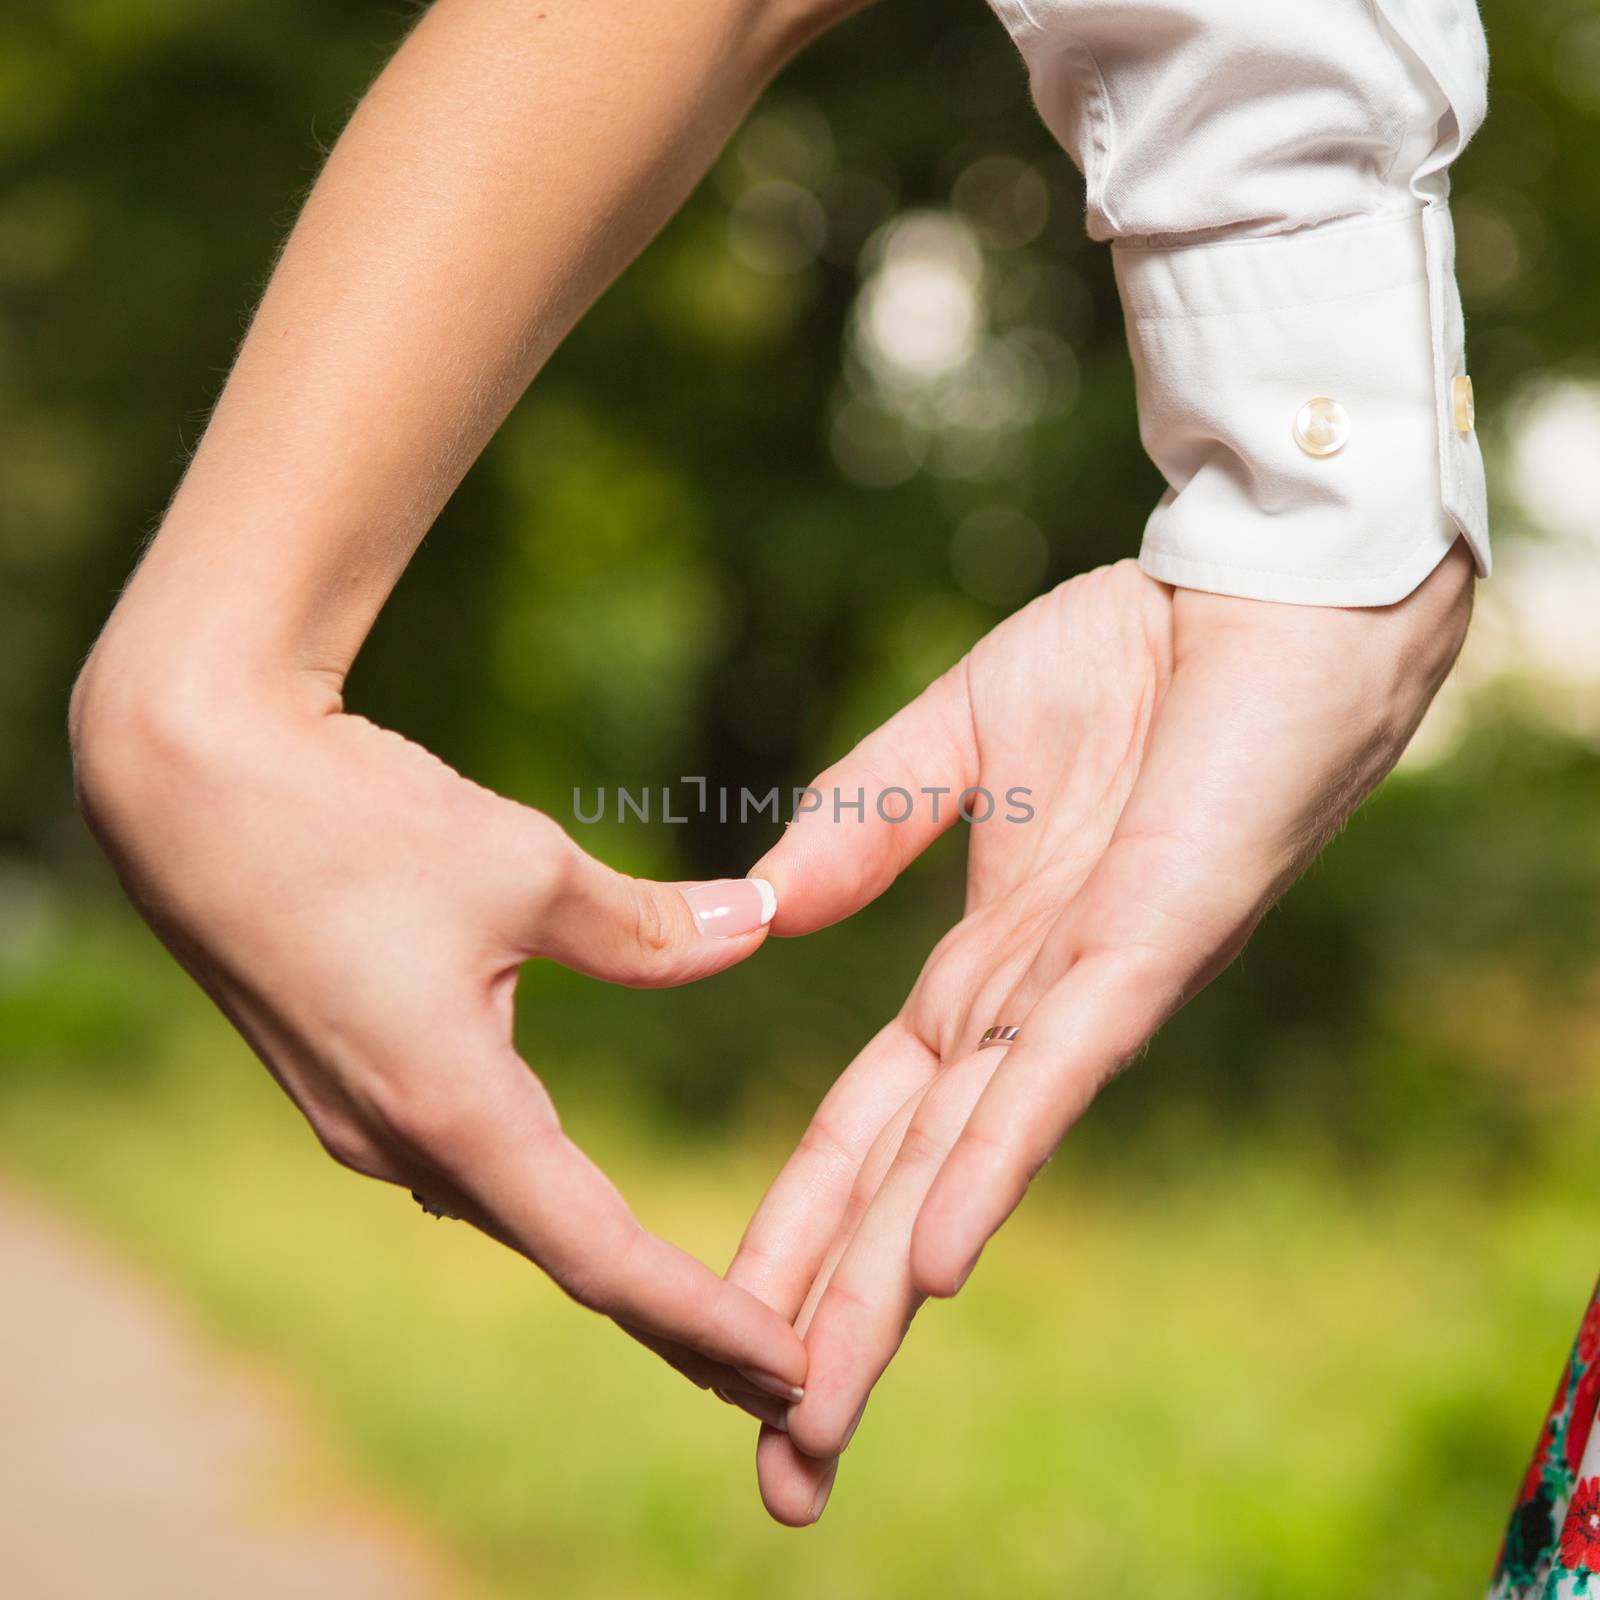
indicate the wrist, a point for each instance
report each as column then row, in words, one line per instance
column 155, row 706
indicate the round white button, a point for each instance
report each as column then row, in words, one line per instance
column 1466, row 412
column 1321, row 426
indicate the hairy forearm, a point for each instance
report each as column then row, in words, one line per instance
column 505, row 167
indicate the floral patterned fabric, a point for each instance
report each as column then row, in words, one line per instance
column 1552, row 1547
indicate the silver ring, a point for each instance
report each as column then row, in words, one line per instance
column 432, row 1208
column 999, row 1037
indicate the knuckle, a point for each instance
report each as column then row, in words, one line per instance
column 587, row 1282
column 922, row 1148
column 552, row 862
column 582, row 1285
column 822, row 1145
column 439, row 1119
column 845, row 1300
column 981, row 1141
column 351, row 1148
column 651, row 929
column 596, row 1271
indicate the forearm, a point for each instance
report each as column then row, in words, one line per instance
column 508, row 163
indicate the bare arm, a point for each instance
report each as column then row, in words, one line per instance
column 359, row 911
column 509, row 162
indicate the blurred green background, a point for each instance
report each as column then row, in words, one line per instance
column 1283, row 1317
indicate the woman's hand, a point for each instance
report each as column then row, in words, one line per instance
column 360, row 912
column 1187, row 755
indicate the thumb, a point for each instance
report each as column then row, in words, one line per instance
column 636, row 931
column 867, row 817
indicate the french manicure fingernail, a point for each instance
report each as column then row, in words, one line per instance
column 773, row 1384
column 734, row 906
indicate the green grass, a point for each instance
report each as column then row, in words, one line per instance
column 1190, row 1368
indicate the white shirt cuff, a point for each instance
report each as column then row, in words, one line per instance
column 1232, row 341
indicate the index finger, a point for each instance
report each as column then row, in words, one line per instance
column 550, row 1202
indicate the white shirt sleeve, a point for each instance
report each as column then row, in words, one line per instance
column 1274, row 178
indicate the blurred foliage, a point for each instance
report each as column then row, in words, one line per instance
column 733, row 525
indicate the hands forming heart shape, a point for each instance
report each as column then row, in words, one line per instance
column 360, row 912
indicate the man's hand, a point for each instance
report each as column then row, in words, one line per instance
column 1187, row 755
column 360, row 912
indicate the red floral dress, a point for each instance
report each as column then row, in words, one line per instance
column 1552, row 1548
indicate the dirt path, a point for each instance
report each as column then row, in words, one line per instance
column 136, row 1465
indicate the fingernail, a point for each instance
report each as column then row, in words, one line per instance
column 773, row 1384
column 819, row 1502
column 771, row 1416
column 966, row 1272
column 734, row 906
column 850, row 1433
